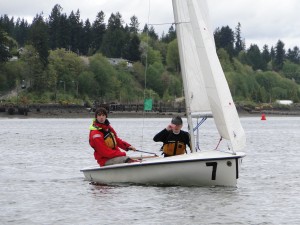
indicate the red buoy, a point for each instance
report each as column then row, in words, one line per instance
column 263, row 116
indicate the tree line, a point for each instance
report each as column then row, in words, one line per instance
column 63, row 58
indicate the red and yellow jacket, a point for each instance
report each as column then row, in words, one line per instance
column 104, row 140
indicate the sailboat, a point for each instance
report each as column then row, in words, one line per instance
column 206, row 93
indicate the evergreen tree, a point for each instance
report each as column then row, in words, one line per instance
column 255, row 59
column 21, row 32
column 7, row 25
column 115, row 37
column 152, row 33
column 134, row 25
column 54, row 27
column 4, row 51
column 170, row 36
column 294, row 55
column 132, row 51
column 272, row 53
column 64, row 30
column 115, row 21
column 145, row 29
column 239, row 44
column 75, row 31
column 86, row 41
column 279, row 56
column 98, row 30
column 39, row 38
column 224, row 38
column 266, row 55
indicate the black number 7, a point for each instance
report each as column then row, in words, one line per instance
column 214, row 170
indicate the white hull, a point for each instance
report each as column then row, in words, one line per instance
column 205, row 168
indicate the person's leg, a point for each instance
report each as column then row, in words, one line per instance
column 121, row 159
column 117, row 160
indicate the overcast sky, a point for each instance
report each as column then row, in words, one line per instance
column 262, row 21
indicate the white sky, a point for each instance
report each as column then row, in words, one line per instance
column 262, row 21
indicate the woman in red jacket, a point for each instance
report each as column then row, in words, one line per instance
column 104, row 140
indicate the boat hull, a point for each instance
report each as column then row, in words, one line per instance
column 211, row 168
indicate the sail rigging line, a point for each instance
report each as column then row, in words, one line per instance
column 160, row 24
column 145, row 73
column 197, row 147
column 199, row 124
column 146, row 152
column 219, row 143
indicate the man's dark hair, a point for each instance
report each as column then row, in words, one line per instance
column 100, row 111
column 177, row 120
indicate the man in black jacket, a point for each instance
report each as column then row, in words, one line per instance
column 174, row 139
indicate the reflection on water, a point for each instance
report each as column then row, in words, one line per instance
column 40, row 182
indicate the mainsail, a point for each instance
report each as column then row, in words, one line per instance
column 205, row 85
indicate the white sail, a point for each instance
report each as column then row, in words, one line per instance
column 195, row 93
column 206, row 88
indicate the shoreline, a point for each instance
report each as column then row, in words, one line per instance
column 87, row 113
column 82, row 115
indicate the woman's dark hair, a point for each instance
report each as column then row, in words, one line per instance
column 100, row 111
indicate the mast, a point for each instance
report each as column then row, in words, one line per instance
column 183, row 69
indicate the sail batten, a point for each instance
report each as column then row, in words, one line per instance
column 205, row 85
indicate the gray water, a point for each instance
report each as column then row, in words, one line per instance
column 40, row 181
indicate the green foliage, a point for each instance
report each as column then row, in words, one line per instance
column 241, row 68
column 277, row 87
column 173, row 61
column 10, row 72
column 4, row 50
column 139, row 73
column 154, row 78
column 129, row 90
column 150, row 55
column 225, row 60
column 291, row 71
column 61, row 75
column 67, row 65
column 173, row 85
column 105, row 76
column 87, row 83
column 33, row 69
